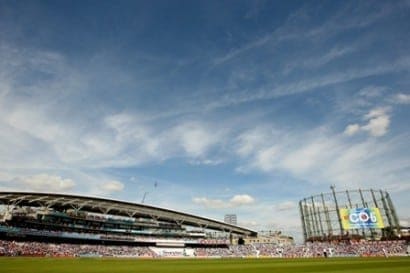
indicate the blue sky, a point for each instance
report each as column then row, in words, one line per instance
column 229, row 106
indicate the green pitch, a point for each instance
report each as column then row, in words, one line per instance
column 84, row 265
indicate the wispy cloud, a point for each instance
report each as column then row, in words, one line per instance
column 318, row 61
column 372, row 91
column 40, row 182
column 309, row 84
column 286, row 205
column 112, row 186
column 347, row 18
column 322, row 157
column 235, row 201
column 401, row 98
column 352, row 129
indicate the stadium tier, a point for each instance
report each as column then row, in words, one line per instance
column 309, row 250
column 61, row 218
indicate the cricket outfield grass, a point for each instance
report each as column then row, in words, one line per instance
column 119, row 265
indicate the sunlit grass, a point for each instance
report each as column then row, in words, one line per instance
column 88, row 265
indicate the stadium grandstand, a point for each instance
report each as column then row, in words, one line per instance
column 61, row 218
column 61, row 225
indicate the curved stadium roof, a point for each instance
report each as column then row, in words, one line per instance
column 115, row 207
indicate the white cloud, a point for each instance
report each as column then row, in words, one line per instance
column 248, row 141
column 142, row 142
column 195, row 138
column 286, row 205
column 401, row 98
column 305, row 158
column 235, row 201
column 112, row 186
column 266, row 158
column 120, row 121
column 352, row 129
column 43, row 182
column 209, row 162
column 378, row 123
column 210, row 203
column 119, row 140
column 372, row 91
column 377, row 112
column 378, row 126
column 333, row 159
column 241, row 199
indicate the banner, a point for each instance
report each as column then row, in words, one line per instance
column 361, row 218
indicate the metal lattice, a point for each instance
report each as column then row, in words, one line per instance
column 321, row 218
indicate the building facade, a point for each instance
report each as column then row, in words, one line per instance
column 231, row 219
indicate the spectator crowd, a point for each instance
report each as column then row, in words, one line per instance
column 317, row 249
